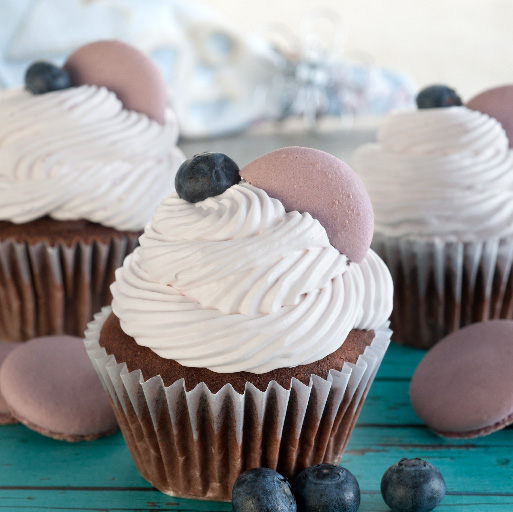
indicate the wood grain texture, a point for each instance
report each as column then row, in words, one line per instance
column 40, row 474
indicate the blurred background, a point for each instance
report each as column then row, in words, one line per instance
column 230, row 66
column 464, row 43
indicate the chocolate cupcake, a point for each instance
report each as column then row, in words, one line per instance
column 82, row 172
column 441, row 182
column 241, row 333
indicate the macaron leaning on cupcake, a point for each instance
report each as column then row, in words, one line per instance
column 248, row 326
column 6, row 416
column 87, row 151
column 49, row 385
column 463, row 386
column 441, row 182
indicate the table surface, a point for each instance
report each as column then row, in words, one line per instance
column 40, row 474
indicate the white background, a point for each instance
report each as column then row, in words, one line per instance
column 467, row 44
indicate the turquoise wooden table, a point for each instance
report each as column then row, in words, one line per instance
column 38, row 474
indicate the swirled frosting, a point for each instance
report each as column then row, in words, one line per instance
column 444, row 172
column 77, row 154
column 235, row 283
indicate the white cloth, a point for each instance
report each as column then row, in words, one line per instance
column 219, row 80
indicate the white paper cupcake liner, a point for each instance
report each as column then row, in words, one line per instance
column 196, row 443
column 54, row 289
column 442, row 286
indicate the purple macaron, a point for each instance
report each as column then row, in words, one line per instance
column 123, row 69
column 309, row 180
column 5, row 414
column 50, row 385
column 463, row 387
column 496, row 102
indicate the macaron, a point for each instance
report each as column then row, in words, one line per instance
column 123, row 69
column 496, row 102
column 309, row 180
column 463, row 386
column 51, row 386
column 5, row 414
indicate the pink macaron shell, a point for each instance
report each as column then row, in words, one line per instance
column 123, row 69
column 5, row 414
column 463, row 387
column 309, row 180
column 497, row 103
column 50, row 385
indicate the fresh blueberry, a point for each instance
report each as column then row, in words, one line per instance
column 262, row 490
column 206, row 175
column 412, row 485
column 44, row 77
column 436, row 96
column 326, row 488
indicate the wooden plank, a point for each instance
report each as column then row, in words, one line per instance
column 388, row 403
column 373, row 502
column 422, row 437
column 76, row 500
column 120, row 501
column 483, row 465
column 399, row 362
column 28, row 458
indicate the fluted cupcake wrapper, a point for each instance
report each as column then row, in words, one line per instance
column 54, row 289
column 196, row 443
column 442, row 286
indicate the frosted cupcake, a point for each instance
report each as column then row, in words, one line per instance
column 441, row 183
column 245, row 332
column 82, row 169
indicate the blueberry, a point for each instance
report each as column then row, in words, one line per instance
column 326, row 488
column 412, row 485
column 262, row 490
column 436, row 96
column 206, row 175
column 44, row 77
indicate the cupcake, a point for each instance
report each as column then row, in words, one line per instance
column 441, row 183
column 244, row 331
column 84, row 163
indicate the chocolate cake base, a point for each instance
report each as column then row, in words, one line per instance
column 125, row 349
column 66, row 232
column 54, row 275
